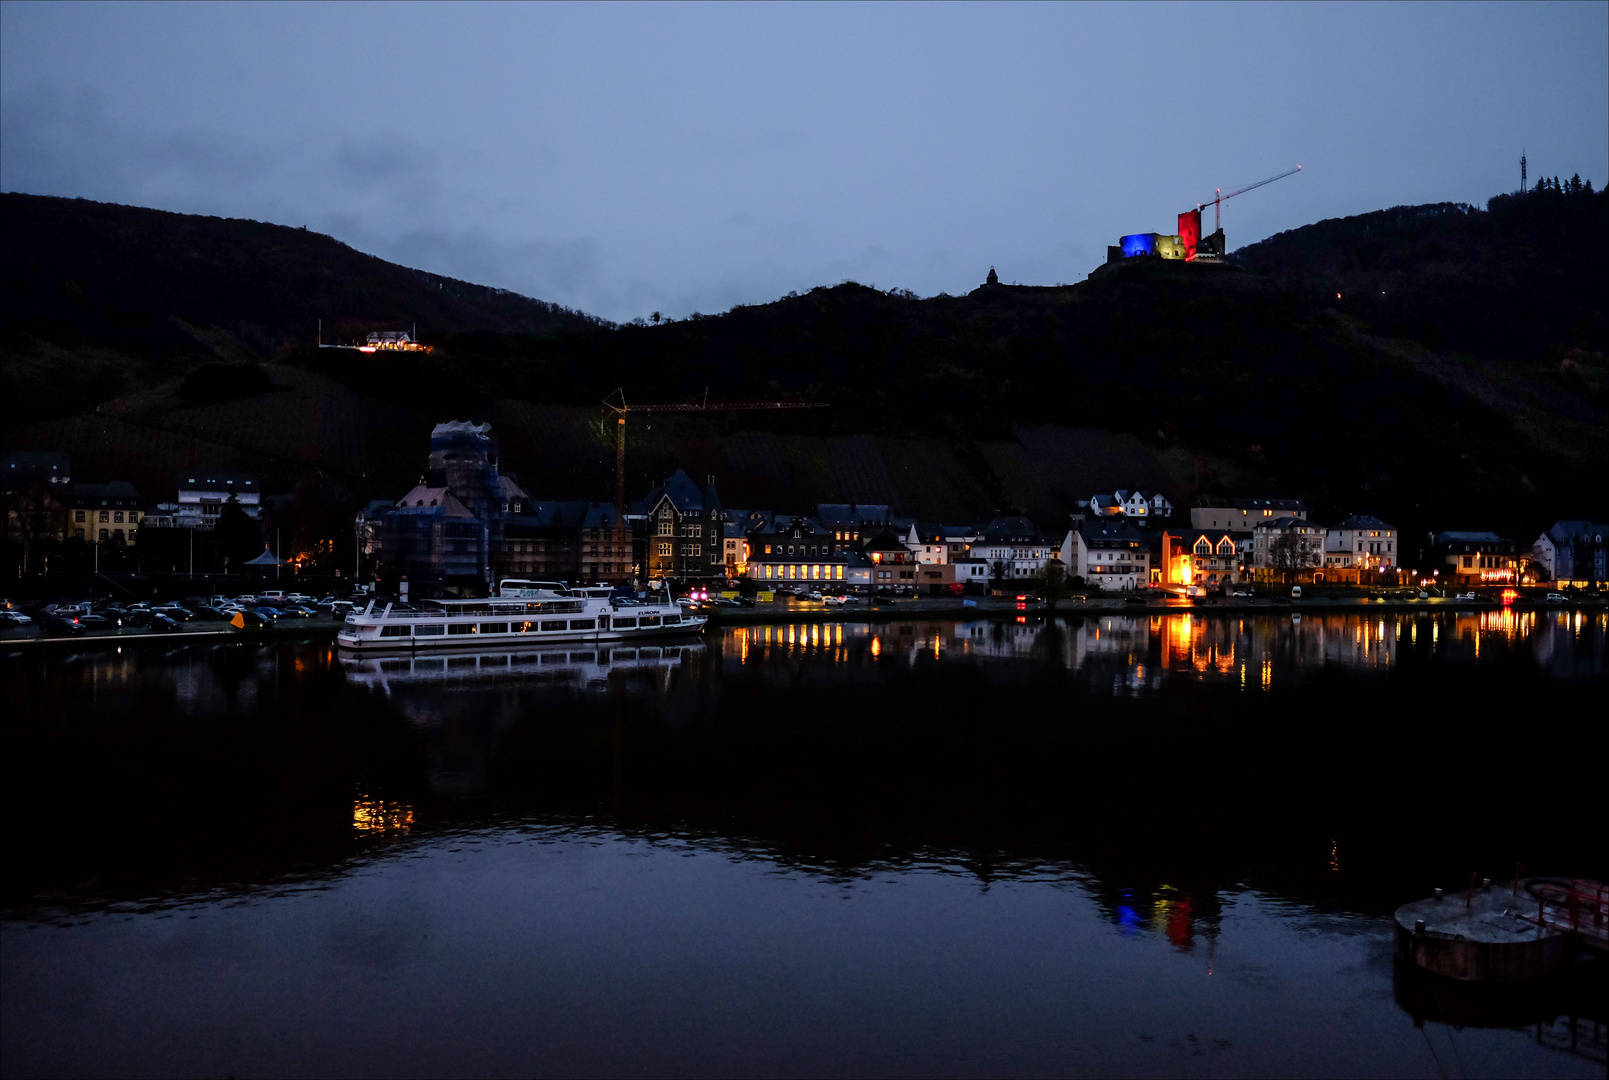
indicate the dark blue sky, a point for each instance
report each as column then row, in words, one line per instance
column 624, row 159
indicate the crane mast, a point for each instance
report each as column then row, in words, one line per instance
column 620, row 409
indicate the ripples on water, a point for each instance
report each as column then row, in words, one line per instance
column 1078, row 845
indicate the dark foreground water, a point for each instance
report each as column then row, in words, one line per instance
column 1114, row 846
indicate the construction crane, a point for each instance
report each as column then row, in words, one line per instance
column 620, row 409
column 1217, row 201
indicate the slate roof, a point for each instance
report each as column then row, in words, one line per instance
column 1563, row 532
column 118, row 490
column 852, row 513
column 1012, row 530
column 685, row 495
column 1362, row 521
column 1106, row 530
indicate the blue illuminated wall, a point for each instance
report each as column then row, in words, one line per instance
column 1139, row 244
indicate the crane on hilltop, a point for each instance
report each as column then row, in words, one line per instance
column 620, row 409
column 1216, row 202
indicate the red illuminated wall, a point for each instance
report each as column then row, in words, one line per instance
column 1190, row 232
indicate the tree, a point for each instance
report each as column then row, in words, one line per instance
column 1053, row 584
column 236, row 536
column 1285, row 555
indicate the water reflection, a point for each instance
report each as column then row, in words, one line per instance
column 1139, row 654
column 968, row 830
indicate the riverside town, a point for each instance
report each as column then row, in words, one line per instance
column 469, row 523
column 788, row 540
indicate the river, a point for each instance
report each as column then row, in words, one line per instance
column 1099, row 845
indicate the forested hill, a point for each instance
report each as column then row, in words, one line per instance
column 1202, row 380
column 1527, row 277
column 101, row 299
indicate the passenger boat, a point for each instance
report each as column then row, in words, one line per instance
column 522, row 612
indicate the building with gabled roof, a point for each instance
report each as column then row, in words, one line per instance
column 1572, row 554
column 1110, row 554
column 680, row 527
column 578, row 542
column 1135, row 505
column 1360, row 546
column 1475, row 557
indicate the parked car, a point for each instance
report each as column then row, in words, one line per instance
column 250, row 619
column 1296, row 592
column 268, row 614
column 833, row 601
column 98, row 622
column 1557, row 598
column 1466, row 596
column 1241, row 592
column 14, row 618
column 175, row 612
column 745, row 601
column 812, row 595
column 163, row 624
column 52, row 623
column 297, row 611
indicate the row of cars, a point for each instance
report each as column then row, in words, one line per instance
column 171, row 616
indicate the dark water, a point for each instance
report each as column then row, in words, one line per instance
column 1105, row 846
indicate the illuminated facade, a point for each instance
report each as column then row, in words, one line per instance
column 392, row 341
column 1131, row 504
column 1476, row 558
column 927, row 544
column 1198, row 558
column 1015, row 549
column 682, row 529
column 1288, row 549
column 109, row 513
column 1108, row 554
column 1360, row 549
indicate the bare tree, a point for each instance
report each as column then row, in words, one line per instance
column 1053, row 584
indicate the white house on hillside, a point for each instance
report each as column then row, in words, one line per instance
column 1130, row 504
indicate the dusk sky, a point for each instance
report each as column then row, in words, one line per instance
column 633, row 158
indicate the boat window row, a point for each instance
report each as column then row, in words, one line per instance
column 543, row 626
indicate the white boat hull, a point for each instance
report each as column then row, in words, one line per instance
column 531, row 615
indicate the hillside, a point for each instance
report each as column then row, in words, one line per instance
column 101, row 299
column 1194, row 379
